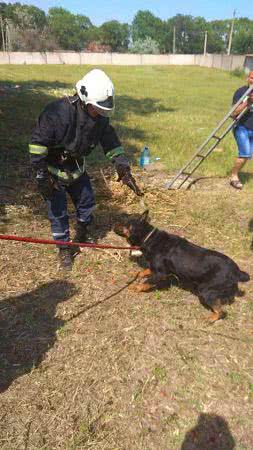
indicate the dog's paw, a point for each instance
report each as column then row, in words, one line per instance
column 145, row 273
column 134, row 273
column 141, row 287
column 217, row 315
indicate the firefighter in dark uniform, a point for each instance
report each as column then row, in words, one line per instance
column 65, row 133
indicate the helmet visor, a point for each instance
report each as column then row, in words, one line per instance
column 103, row 112
column 108, row 103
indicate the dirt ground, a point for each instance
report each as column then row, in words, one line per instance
column 87, row 363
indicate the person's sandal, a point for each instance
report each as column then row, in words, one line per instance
column 236, row 184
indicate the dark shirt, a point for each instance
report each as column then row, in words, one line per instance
column 247, row 118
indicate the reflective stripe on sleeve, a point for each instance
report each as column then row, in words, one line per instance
column 115, row 152
column 38, row 149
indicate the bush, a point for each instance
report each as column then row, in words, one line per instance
column 147, row 46
column 237, row 72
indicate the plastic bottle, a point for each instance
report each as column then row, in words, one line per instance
column 145, row 157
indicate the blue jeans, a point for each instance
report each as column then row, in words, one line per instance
column 244, row 139
column 81, row 194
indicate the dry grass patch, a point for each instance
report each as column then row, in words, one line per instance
column 88, row 364
column 85, row 362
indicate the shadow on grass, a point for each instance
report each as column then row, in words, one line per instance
column 103, row 300
column 141, row 106
column 211, row 433
column 10, row 85
column 28, row 328
column 246, row 177
column 6, row 198
column 21, row 104
column 250, row 228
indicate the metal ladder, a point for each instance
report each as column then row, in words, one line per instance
column 205, row 149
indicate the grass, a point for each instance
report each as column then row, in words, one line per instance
column 87, row 363
column 171, row 109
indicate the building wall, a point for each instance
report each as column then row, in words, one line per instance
column 248, row 62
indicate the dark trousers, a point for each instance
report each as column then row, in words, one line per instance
column 81, row 194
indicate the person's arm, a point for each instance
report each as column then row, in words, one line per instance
column 239, row 109
column 42, row 137
column 245, row 104
column 115, row 153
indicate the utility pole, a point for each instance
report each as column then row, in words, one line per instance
column 205, row 43
column 8, row 37
column 174, row 40
column 2, row 33
column 231, row 34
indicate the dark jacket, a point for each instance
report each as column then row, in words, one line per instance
column 65, row 133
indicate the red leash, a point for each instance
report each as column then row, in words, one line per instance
column 7, row 237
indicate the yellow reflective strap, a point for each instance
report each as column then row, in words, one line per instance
column 64, row 175
column 115, row 152
column 38, row 149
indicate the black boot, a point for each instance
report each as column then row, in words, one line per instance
column 82, row 235
column 65, row 259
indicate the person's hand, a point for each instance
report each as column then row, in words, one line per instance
column 46, row 186
column 124, row 175
column 250, row 99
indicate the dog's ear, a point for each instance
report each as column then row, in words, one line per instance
column 145, row 216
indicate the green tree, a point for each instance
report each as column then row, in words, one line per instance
column 215, row 43
column 24, row 16
column 28, row 17
column 220, row 29
column 243, row 42
column 94, row 34
column 145, row 24
column 243, row 36
column 190, row 32
column 70, row 30
column 23, row 26
column 115, row 34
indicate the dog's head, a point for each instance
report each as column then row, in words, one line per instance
column 134, row 229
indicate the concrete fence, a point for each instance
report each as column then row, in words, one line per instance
column 225, row 62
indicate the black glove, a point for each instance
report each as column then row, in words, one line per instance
column 45, row 185
column 124, row 175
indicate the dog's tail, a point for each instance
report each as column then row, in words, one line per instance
column 243, row 276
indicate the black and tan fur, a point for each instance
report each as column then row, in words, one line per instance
column 212, row 275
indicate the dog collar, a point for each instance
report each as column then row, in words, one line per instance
column 149, row 235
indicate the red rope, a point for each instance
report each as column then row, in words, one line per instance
column 7, row 237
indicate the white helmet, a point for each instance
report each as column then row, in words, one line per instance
column 96, row 89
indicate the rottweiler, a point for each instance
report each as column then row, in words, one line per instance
column 212, row 275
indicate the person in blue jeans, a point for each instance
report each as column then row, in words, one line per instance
column 67, row 130
column 243, row 132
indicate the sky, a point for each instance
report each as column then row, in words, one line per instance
column 100, row 11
